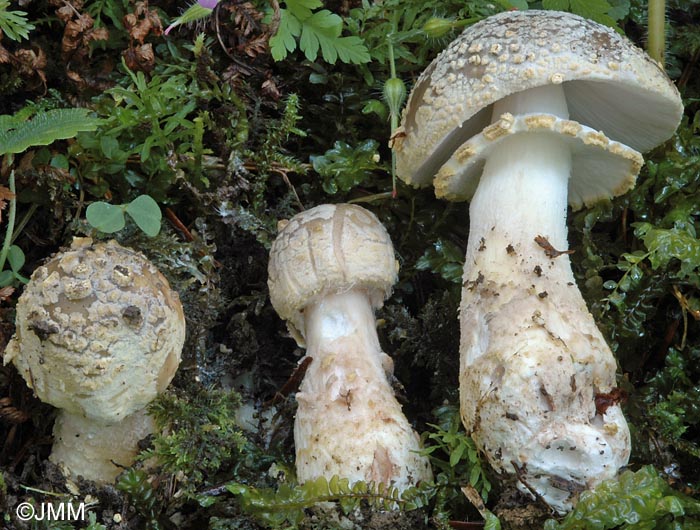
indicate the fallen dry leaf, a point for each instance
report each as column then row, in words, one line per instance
column 143, row 22
column 5, row 195
column 140, row 58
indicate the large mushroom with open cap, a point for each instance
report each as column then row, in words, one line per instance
column 330, row 268
column 522, row 113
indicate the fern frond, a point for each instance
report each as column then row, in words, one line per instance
column 14, row 24
column 44, row 129
column 288, row 502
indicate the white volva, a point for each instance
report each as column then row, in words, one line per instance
column 330, row 268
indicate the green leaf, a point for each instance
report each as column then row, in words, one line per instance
column 619, row 9
column 345, row 166
column 557, row 5
column 456, row 455
column 14, row 24
column 317, row 31
column 60, row 161
column 284, row 40
column 146, row 214
column 320, row 30
column 594, row 9
column 634, row 500
column 302, row 9
column 15, row 257
column 109, row 146
column 667, row 244
column 6, row 278
column 377, row 107
column 106, row 217
column 514, row 4
column 45, row 128
column 491, row 522
column 445, row 259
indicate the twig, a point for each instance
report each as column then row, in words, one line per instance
column 549, row 250
column 179, row 225
column 292, row 383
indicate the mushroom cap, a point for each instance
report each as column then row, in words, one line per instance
column 610, row 86
column 99, row 331
column 329, row 249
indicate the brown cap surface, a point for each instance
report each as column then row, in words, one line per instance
column 328, row 249
column 99, row 331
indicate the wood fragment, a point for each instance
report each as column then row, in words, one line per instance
column 292, row 383
column 549, row 250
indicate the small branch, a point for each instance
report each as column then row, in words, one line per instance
column 520, row 474
column 179, row 225
column 292, row 383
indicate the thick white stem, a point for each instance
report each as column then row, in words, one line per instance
column 96, row 451
column 532, row 360
column 522, row 194
column 348, row 422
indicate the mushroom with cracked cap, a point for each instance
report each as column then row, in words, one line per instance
column 99, row 334
column 522, row 112
column 330, row 267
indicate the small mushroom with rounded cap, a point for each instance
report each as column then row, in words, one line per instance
column 329, row 268
column 99, row 334
column 520, row 114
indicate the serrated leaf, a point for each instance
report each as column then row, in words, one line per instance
column 284, row 40
column 318, row 31
column 45, row 128
column 14, row 24
column 106, row 217
column 351, row 50
column 146, row 214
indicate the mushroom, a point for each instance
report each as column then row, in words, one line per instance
column 522, row 112
column 99, row 334
column 329, row 268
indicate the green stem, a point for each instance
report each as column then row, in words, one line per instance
column 10, row 222
column 394, row 117
column 656, row 44
column 23, row 222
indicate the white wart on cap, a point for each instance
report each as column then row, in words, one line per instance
column 99, row 331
